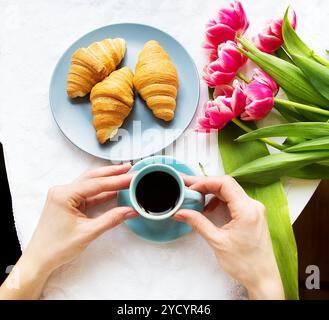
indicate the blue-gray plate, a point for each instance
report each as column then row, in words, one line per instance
column 142, row 134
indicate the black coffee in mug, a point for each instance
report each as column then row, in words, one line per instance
column 157, row 192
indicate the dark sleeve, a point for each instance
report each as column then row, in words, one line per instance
column 10, row 250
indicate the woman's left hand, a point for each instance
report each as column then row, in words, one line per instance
column 64, row 230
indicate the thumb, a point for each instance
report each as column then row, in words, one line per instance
column 112, row 218
column 199, row 223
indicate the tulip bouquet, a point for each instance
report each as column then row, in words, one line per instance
column 237, row 103
column 285, row 61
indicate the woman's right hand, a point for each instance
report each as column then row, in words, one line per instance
column 243, row 246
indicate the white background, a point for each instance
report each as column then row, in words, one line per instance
column 33, row 35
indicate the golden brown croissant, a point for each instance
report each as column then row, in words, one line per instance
column 156, row 80
column 92, row 64
column 111, row 102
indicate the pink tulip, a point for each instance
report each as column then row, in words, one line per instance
column 263, row 78
column 271, row 39
column 215, row 75
column 238, row 101
column 217, row 114
column 235, row 92
column 224, row 108
column 224, row 69
column 229, row 23
column 259, row 101
column 251, row 102
column 223, row 90
column 258, row 96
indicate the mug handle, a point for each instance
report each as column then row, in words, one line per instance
column 193, row 200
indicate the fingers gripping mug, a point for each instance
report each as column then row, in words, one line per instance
column 158, row 191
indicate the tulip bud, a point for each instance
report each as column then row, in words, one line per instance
column 224, row 69
column 217, row 114
column 263, row 78
column 229, row 23
column 271, row 38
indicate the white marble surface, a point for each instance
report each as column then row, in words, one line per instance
column 33, row 35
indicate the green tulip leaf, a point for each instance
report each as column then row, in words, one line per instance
column 270, row 168
column 291, row 141
column 315, row 144
column 311, row 172
column 307, row 130
column 291, row 41
column 273, row 197
column 315, row 72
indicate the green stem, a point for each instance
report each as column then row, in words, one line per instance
column 241, row 125
column 203, row 171
column 265, row 140
column 291, row 104
column 243, row 77
column 320, row 60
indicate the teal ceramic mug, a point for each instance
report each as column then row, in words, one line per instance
column 186, row 197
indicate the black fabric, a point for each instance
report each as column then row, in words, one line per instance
column 10, row 250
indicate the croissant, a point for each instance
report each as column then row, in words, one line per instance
column 92, row 64
column 111, row 102
column 156, row 80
